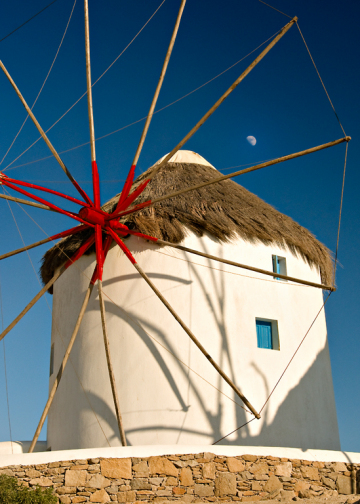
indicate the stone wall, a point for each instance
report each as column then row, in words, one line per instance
column 202, row 477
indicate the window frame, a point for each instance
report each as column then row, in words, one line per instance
column 279, row 266
column 275, row 339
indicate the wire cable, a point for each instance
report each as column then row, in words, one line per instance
column 97, row 80
column 282, row 374
column 23, row 24
column 233, row 272
column 5, row 370
column 277, row 10
column 57, row 329
column 171, row 353
column 322, row 82
column 232, row 432
column 138, row 120
column 340, row 213
column 296, row 351
column 42, row 87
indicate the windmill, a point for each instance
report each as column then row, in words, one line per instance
column 105, row 228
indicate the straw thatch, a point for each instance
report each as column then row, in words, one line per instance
column 224, row 210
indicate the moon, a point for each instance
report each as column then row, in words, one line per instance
column 251, row 140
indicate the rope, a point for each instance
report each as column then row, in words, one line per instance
column 322, row 83
column 277, row 10
column 233, row 272
column 301, row 342
column 282, row 374
column 138, row 120
column 57, row 329
column 46, row 78
column 141, row 327
column 97, row 80
column 340, row 212
column 23, row 24
column 5, row 371
column 171, row 353
column 232, row 432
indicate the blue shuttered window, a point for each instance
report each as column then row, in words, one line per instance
column 264, row 334
column 279, row 266
column 276, row 265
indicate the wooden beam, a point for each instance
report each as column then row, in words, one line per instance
column 59, row 272
column 23, row 249
column 62, row 368
column 43, row 134
column 25, row 202
column 158, row 87
column 244, row 266
column 110, row 366
column 224, row 96
column 252, row 168
column 196, row 341
column 137, row 208
column 62, row 234
column 88, row 81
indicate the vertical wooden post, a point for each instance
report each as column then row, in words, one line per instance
column 62, row 367
column 158, row 87
column 110, row 366
column 88, row 81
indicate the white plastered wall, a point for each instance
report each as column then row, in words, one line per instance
column 162, row 402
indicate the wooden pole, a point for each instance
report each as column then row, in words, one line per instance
column 62, row 234
column 88, row 81
column 110, row 366
column 28, row 247
column 25, row 202
column 32, row 302
column 62, row 368
column 224, row 96
column 161, row 79
column 196, row 341
column 251, row 268
column 43, row 134
column 251, row 169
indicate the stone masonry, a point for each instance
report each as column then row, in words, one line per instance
column 196, row 478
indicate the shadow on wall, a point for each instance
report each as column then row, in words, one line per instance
column 298, row 423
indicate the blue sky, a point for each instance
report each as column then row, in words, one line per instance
column 281, row 103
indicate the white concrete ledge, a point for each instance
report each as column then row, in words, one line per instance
column 148, row 451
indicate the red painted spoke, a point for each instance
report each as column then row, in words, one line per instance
column 106, row 247
column 82, row 192
column 81, row 251
column 96, row 184
column 131, row 198
column 135, row 208
column 69, row 232
column 44, row 202
column 40, row 188
column 122, row 246
column 99, row 249
column 126, row 188
column 135, row 233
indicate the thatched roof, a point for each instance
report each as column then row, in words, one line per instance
column 224, row 210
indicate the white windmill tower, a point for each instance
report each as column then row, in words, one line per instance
column 256, row 329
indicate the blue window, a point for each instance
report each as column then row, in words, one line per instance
column 279, row 266
column 264, row 334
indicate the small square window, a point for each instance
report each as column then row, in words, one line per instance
column 279, row 266
column 267, row 334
